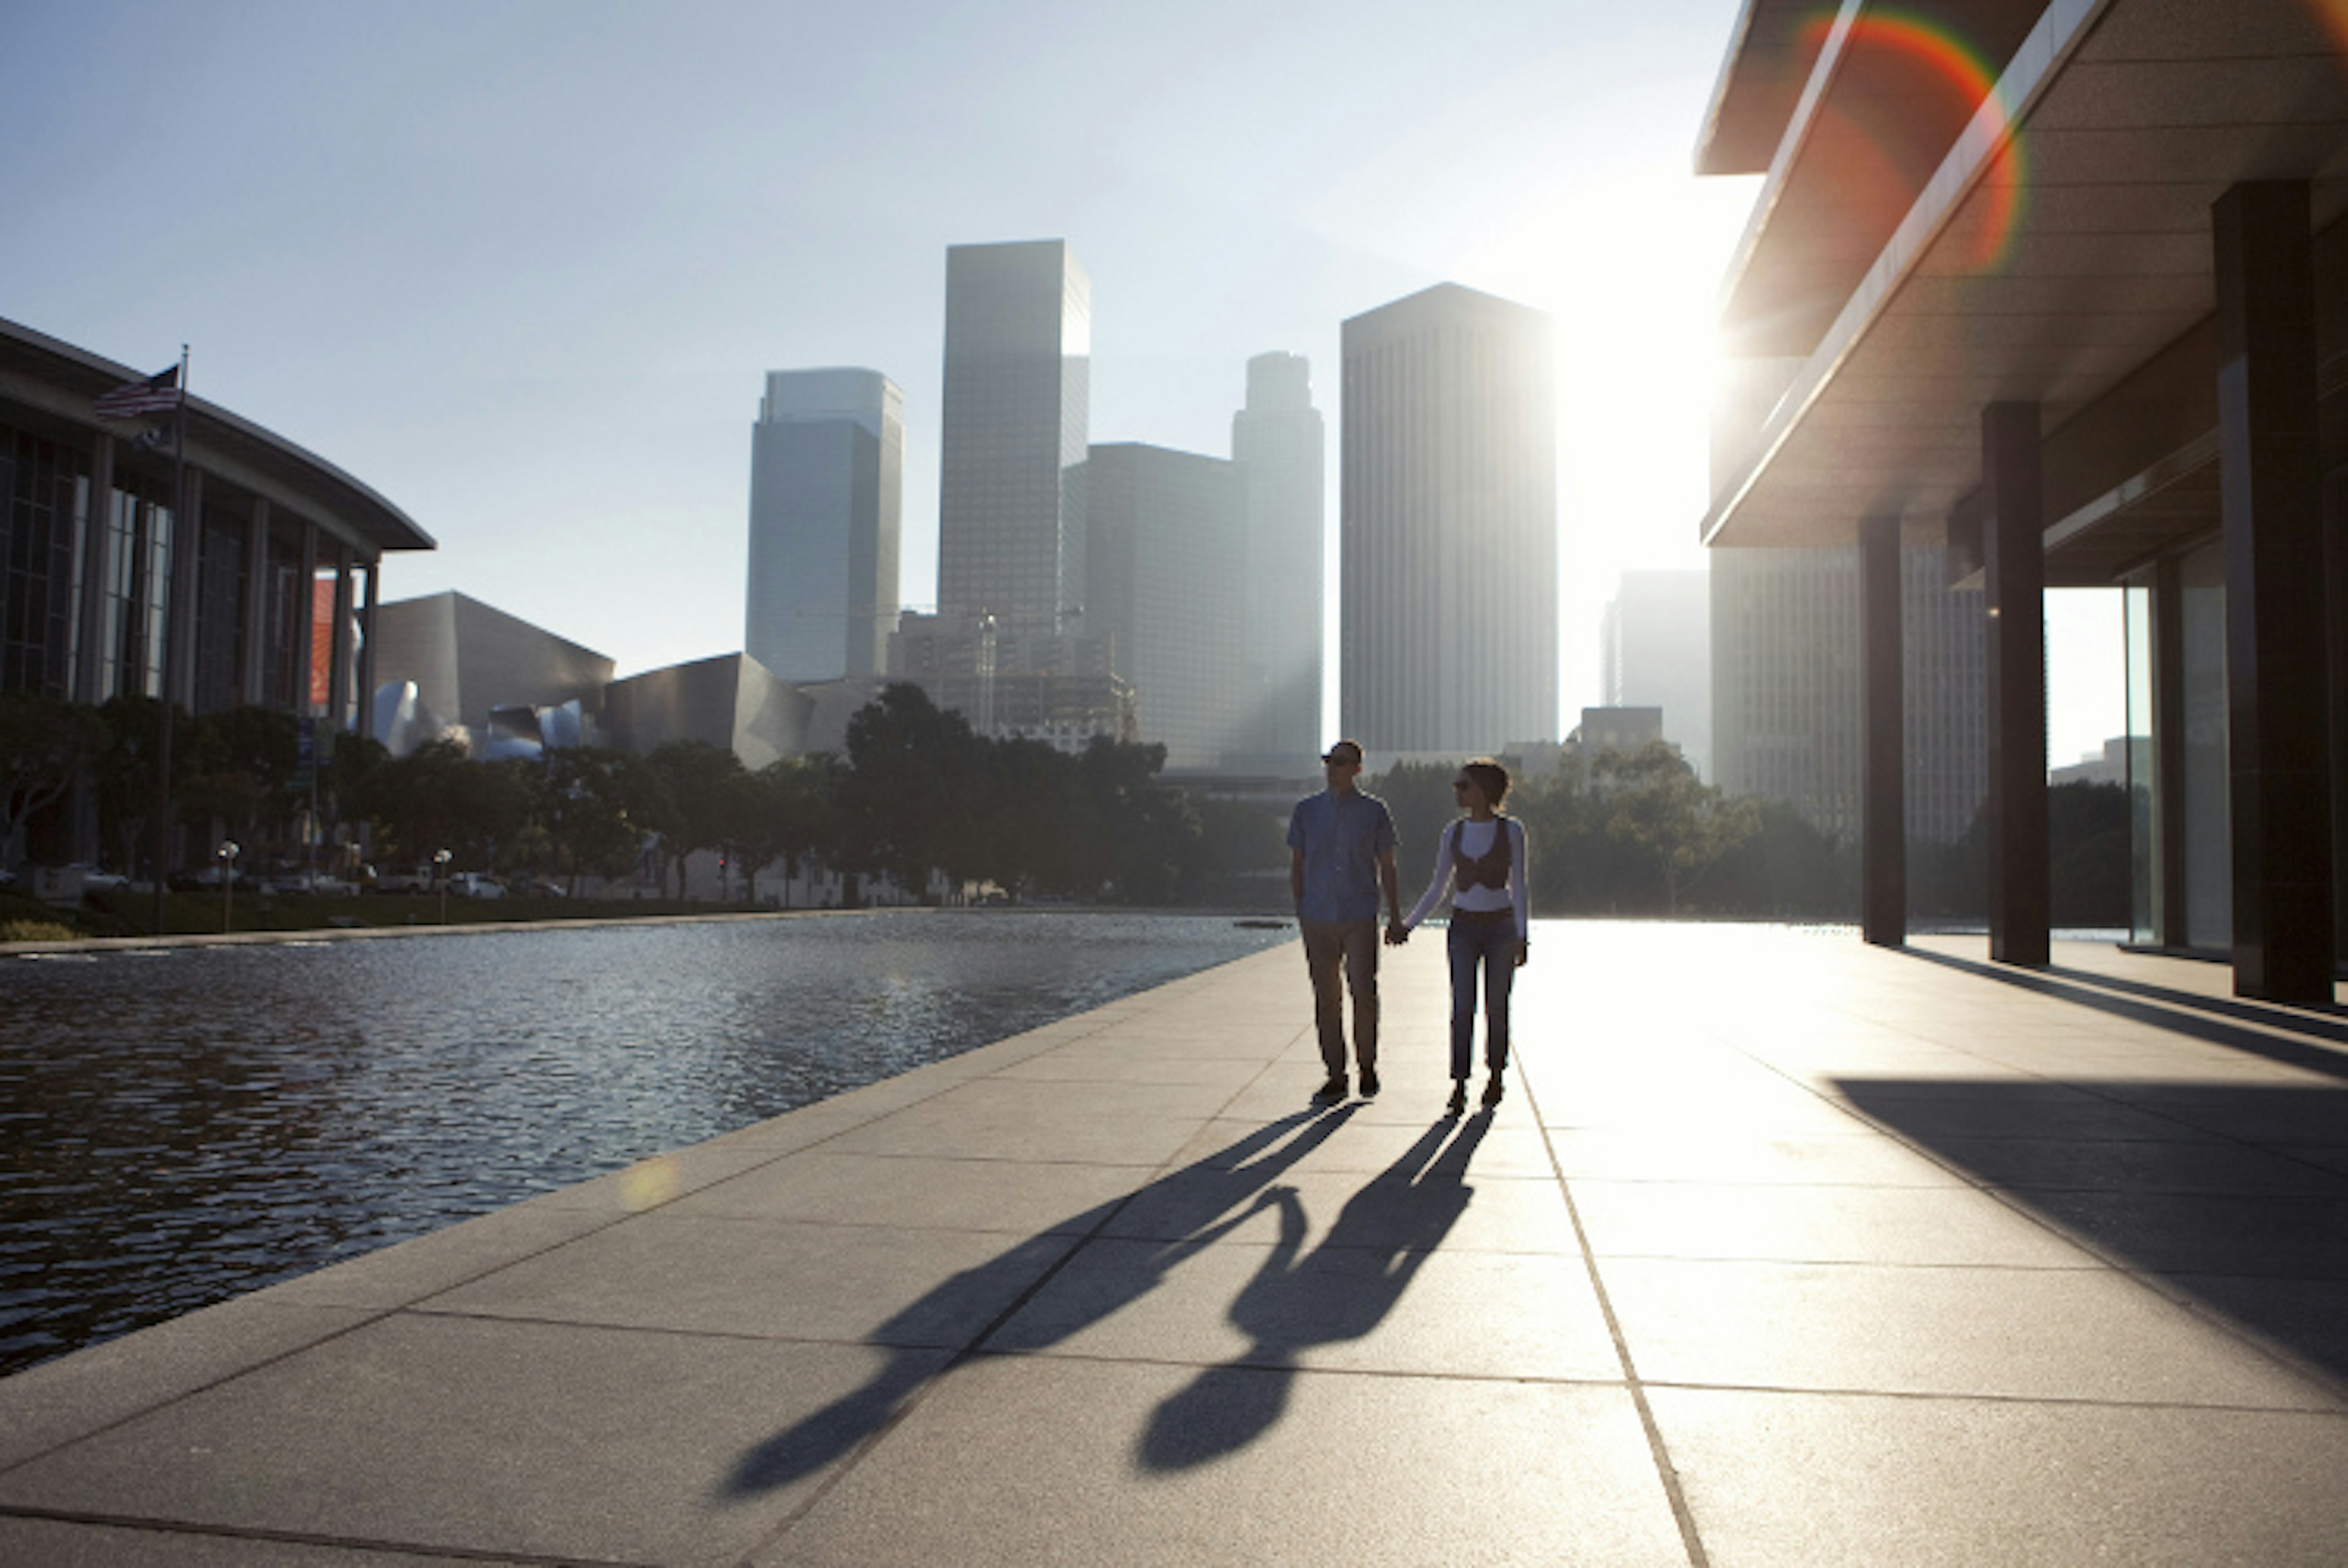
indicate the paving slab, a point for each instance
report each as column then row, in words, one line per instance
column 1781, row 1248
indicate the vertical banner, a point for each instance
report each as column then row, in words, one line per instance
column 322, row 642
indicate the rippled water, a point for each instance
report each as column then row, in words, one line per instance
column 177, row 1127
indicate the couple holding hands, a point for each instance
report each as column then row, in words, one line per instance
column 1341, row 859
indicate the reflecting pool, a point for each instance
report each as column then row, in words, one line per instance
column 179, row 1126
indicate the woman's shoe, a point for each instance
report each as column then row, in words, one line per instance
column 1459, row 1105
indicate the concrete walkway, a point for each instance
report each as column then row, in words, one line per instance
column 1780, row 1250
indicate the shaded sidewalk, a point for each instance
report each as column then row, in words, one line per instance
column 1781, row 1250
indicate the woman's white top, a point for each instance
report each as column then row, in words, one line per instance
column 1475, row 839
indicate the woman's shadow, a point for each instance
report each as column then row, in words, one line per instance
column 1340, row 1290
column 1210, row 1198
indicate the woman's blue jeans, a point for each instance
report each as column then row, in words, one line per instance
column 1493, row 945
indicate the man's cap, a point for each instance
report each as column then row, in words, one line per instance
column 1343, row 751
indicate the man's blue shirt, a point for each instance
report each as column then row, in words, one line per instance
column 1342, row 836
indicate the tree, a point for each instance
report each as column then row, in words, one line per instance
column 584, row 798
column 1148, row 838
column 914, row 770
column 44, row 744
column 124, row 771
column 1680, row 824
column 696, row 792
column 1418, row 796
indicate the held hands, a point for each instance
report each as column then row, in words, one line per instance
column 1397, row 934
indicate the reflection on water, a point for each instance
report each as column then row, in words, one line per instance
column 179, row 1127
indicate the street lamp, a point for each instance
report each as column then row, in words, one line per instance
column 440, row 875
column 227, row 853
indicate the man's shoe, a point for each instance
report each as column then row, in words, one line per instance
column 1492, row 1090
column 1331, row 1091
column 1369, row 1083
column 1459, row 1105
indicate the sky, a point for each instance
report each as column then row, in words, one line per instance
column 521, row 267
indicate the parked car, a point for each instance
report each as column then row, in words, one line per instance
column 95, row 880
column 475, row 884
column 208, row 879
column 416, row 881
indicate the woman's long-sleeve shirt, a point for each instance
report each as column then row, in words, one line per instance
column 1476, row 839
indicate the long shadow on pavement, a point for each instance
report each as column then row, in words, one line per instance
column 1339, row 1291
column 1202, row 1203
column 2234, row 1193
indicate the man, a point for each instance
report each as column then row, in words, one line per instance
column 1340, row 846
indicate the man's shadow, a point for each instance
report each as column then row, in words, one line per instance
column 1339, row 1291
column 1209, row 1198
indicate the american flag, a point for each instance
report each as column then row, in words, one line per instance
column 159, row 394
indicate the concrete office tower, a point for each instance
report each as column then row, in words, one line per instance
column 1448, row 525
column 1281, row 446
column 1655, row 651
column 1785, row 687
column 1015, row 418
column 827, row 485
column 1167, row 582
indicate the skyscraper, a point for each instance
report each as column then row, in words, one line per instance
column 1016, row 418
column 1280, row 444
column 827, row 480
column 1785, row 681
column 1655, row 651
column 1447, row 521
column 1166, row 584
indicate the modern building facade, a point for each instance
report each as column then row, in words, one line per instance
column 1009, row 684
column 1655, row 651
column 1015, row 417
column 827, row 501
column 1280, row 444
column 460, row 661
column 256, row 584
column 1787, row 662
column 731, row 701
column 1448, row 525
column 1166, row 584
column 2064, row 315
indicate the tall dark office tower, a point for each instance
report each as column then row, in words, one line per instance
column 1447, row 523
column 1281, row 446
column 1015, row 418
column 1165, row 580
column 827, row 483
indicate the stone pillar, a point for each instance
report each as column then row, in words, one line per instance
column 252, row 660
column 2278, row 730
column 2170, row 929
column 305, row 623
column 187, row 563
column 96, row 525
column 338, row 694
column 2013, row 573
column 374, row 569
column 1883, row 796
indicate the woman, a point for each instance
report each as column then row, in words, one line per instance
column 1483, row 854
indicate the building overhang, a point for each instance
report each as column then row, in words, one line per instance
column 2060, row 253
column 61, row 381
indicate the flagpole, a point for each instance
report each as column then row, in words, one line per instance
column 183, row 559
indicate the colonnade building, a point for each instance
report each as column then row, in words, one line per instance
column 2055, row 289
column 256, row 586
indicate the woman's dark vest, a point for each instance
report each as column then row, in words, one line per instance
column 1490, row 869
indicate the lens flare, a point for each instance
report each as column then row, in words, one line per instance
column 1955, row 66
column 649, row 1184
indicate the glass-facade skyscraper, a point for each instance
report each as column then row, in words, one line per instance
column 1167, row 583
column 1447, row 518
column 1015, row 418
column 1280, row 446
column 827, row 481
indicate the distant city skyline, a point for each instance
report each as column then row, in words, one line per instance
column 531, row 317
